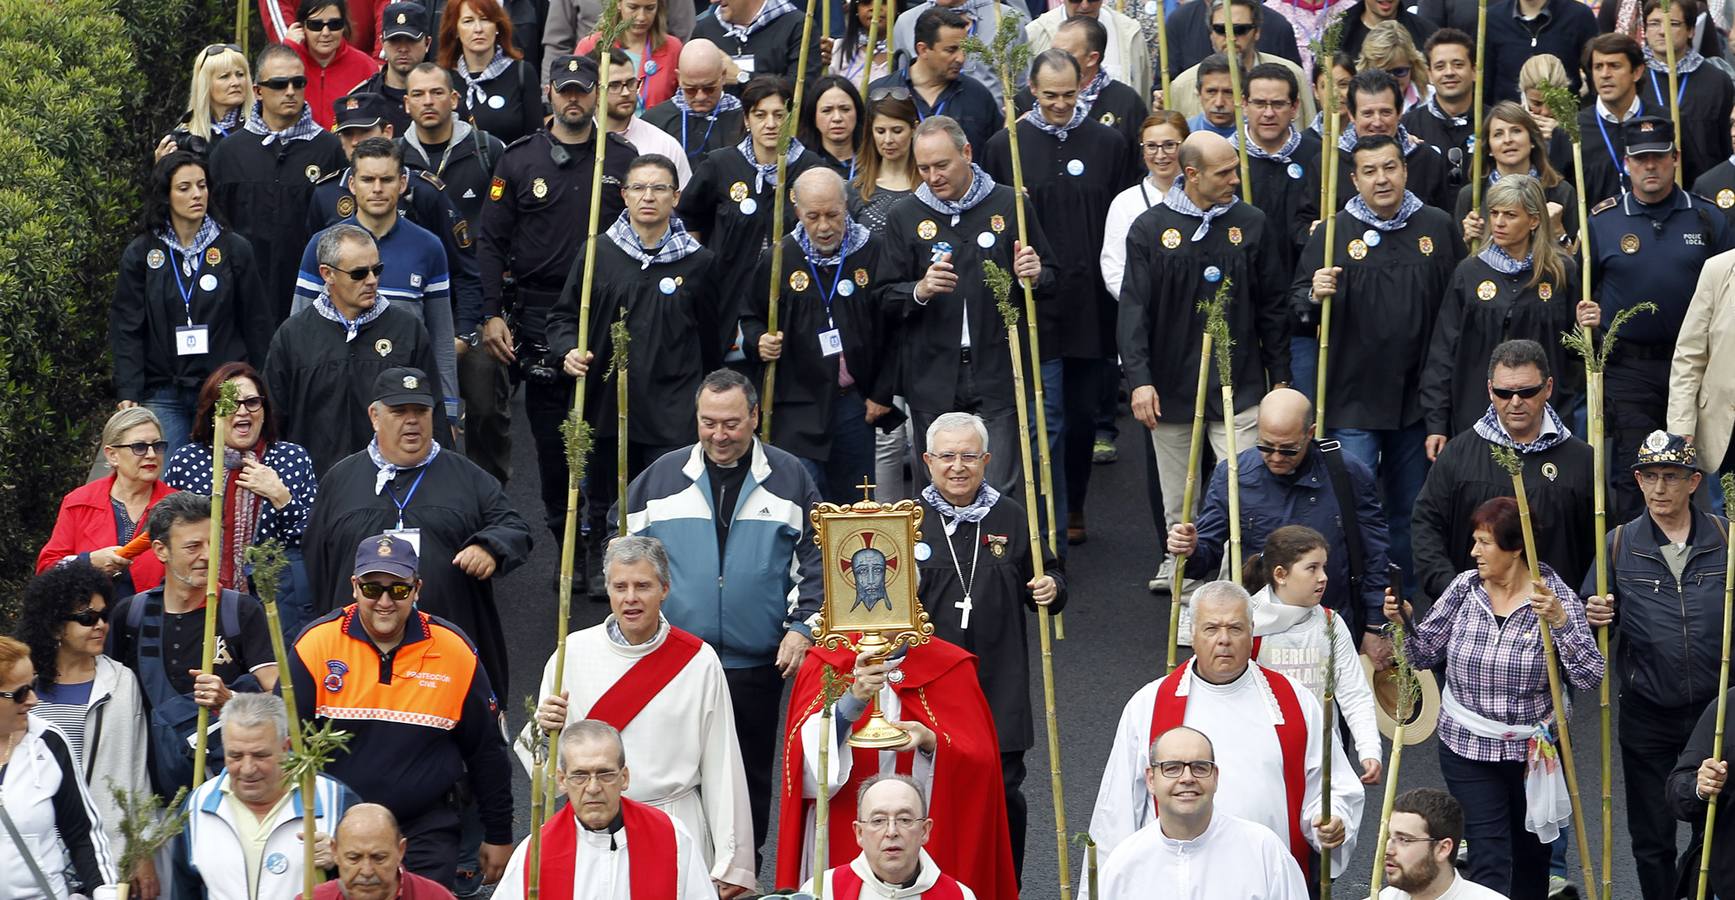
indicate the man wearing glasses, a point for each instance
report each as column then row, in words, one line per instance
column 1248, row 18
column 1283, row 168
column 1421, row 850
column 262, row 185
column 422, row 717
column 891, row 821
column 702, row 115
column 1666, row 600
column 622, row 97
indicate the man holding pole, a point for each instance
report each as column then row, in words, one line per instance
column 1671, row 635
column 1375, row 103
column 1700, row 779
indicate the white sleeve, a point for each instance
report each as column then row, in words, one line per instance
column 1281, row 873
column 511, row 884
column 695, row 880
column 723, row 788
column 1347, row 793
column 1355, row 697
column 838, row 766
column 1122, row 799
column 1114, row 240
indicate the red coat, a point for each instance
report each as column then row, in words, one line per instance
column 658, row 87
column 347, row 71
column 364, row 20
column 86, row 523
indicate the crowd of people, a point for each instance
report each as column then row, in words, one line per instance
column 381, row 230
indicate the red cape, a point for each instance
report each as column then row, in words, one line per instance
column 970, row 841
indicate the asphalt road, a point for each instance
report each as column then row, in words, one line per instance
column 1115, row 636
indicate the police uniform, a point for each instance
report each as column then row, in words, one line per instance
column 1718, row 186
column 1647, row 252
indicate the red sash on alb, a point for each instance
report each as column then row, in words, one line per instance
column 627, row 697
column 651, row 864
column 1170, row 710
column 846, row 885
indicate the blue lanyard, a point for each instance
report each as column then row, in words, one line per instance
column 185, row 289
column 1620, row 163
column 703, row 141
column 645, row 81
column 1680, row 92
column 835, row 279
column 938, row 110
column 408, row 496
column 852, row 166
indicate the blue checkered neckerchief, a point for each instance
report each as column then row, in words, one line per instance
column 1349, row 139
column 1290, row 144
column 981, row 185
column 675, row 245
column 207, row 235
column 1684, row 64
column 326, row 308
column 1060, row 132
column 1359, row 208
column 767, row 14
column 304, row 129
column 950, row 516
column 766, row 173
column 725, row 103
column 1177, row 200
column 229, row 122
column 1554, row 431
column 385, row 471
column 1494, row 174
column 854, row 238
column 1092, row 89
column 1498, row 260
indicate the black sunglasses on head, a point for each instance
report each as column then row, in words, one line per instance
column 286, row 82
column 216, row 49
column 1509, row 393
column 88, row 617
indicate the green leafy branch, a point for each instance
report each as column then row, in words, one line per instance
column 1330, row 40
column 1507, row 458
column 621, row 339
column 612, row 25
column 1580, row 341
column 832, row 686
column 145, row 827
column 533, row 739
column 228, row 399
column 1217, row 325
column 1562, row 105
column 1005, row 54
column 1330, row 656
column 575, row 433
column 1409, row 688
column 1728, row 483
column 319, row 746
column 265, row 562
column 999, row 283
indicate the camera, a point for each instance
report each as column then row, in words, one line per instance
column 535, row 362
column 190, row 142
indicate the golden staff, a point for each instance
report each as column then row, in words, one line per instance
column 1507, row 458
column 620, row 338
column 1194, row 449
column 1722, row 698
column 780, row 190
column 1674, row 84
column 1328, row 731
column 1409, row 693
column 225, row 407
column 1326, row 49
column 1217, row 323
column 1476, row 147
column 999, row 283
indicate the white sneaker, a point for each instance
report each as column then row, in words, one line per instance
column 1161, row 582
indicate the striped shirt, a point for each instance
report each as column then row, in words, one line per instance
column 1496, row 669
column 65, row 705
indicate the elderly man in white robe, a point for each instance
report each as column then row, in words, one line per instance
column 1193, row 849
column 891, row 827
column 664, row 690
column 1266, row 728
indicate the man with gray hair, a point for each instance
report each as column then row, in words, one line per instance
column 956, row 578
column 243, row 839
column 891, row 828
column 1265, row 729
column 664, row 691
column 837, row 377
column 324, row 358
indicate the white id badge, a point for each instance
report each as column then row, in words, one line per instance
column 412, row 535
column 830, row 342
column 192, row 340
column 745, row 63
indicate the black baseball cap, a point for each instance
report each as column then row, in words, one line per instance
column 385, row 553
column 360, row 111
column 403, row 385
column 1664, row 449
column 404, row 19
column 1649, row 134
column 568, row 69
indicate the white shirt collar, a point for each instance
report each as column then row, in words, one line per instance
column 1603, row 110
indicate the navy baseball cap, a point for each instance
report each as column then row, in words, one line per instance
column 401, row 385
column 386, row 553
column 360, row 111
column 1649, row 134
column 1664, row 449
column 569, row 69
column 404, row 20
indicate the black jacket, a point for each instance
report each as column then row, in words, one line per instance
column 465, row 167
column 1561, row 31
column 1452, row 136
column 775, row 49
column 1682, row 793
column 148, row 308
column 513, row 108
column 262, row 191
column 698, row 134
column 1355, row 30
column 1718, row 186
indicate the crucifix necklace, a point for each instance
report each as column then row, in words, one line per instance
column 966, row 605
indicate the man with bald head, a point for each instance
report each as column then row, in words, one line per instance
column 1266, row 730
column 891, row 828
column 1180, row 253
column 369, row 850
column 701, row 115
column 1288, row 479
column 837, row 378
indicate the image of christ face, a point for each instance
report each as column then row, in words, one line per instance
column 869, row 567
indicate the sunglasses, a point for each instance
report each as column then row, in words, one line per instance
column 1399, row 72
column 88, row 617
column 332, row 24
column 1241, row 29
column 893, row 92
column 400, row 590
column 1268, row 450
column 1509, row 393
column 218, row 49
column 143, row 448
column 361, row 273
column 21, row 695
column 285, row 83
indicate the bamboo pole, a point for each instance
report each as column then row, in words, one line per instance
column 1327, row 732
column 822, row 806
column 241, row 25
column 1162, row 60
column 1409, row 692
column 1722, row 699
column 1325, row 49
column 1238, row 102
column 1217, row 322
column 867, row 66
column 1000, row 285
column 306, row 759
column 224, row 409
column 620, row 339
column 1476, row 151
column 1195, row 448
column 1509, row 460
column 1674, row 83
column 267, row 562
column 534, row 741
column 779, row 191
column 1090, row 869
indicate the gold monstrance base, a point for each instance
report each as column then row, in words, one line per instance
column 878, row 733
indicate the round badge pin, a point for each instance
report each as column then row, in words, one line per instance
column 667, row 285
column 923, row 551
column 1213, row 274
column 651, row 67
column 749, row 206
column 1295, row 171
column 1371, row 237
column 1075, row 167
column 155, row 259
column 1150, row 7
column 208, row 282
column 496, row 102
column 985, row 239
column 845, row 288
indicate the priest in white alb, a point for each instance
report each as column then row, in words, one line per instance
column 1266, row 730
column 1192, row 849
column 891, row 827
column 664, row 690
column 601, row 845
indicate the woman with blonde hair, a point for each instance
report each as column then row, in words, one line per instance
column 1523, row 284
column 1544, row 69
column 1512, row 144
column 97, row 520
column 221, row 89
column 1389, row 47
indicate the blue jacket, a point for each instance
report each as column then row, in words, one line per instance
column 1269, row 502
column 768, row 580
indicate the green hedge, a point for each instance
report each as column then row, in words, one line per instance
column 86, row 88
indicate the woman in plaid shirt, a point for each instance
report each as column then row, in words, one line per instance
column 1496, row 740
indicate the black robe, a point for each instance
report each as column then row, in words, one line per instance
column 806, row 378
column 673, row 339
column 1706, row 96
column 775, row 49
column 1072, row 183
column 262, row 192
column 698, row 134
column 1562, row 193
column 1383, row 314
column 457, row 504
column 1288, row 194
column 1428, row 176
column 998, row 599
column 929, row 358
column 1160, row 328
column 1718, row 186
column 1119, row 107
column 322, row 384
column 1454, row 390
column 1457, row 133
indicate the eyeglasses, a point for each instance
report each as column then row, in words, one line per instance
column 24, row 693
column 1267, row 105
column 1241, row 29
column 892, row 92
column 88, row 617
column 881, row 823
column 654, row 189
column 1172, row 768
column 1509, row 393
column 373, row 590
column 1669, row 478
column 1268, row 450
column 143, row 448
column 1407, row 840
column 362, row 272
column 1160, row 146
column 577, row 780
column 949, row 457
column 333, row 24
column 1400, row 72
column 623, row 87
column 285, row 83
column 252, row 404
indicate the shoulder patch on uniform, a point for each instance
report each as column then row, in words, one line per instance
column 432, row 179
column 528, row 137
column 497, row 188
column 1608, row 204
column 331, row 175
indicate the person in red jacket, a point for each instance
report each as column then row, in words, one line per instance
column 334, row 68
column 281, row 16
column 97, row 520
